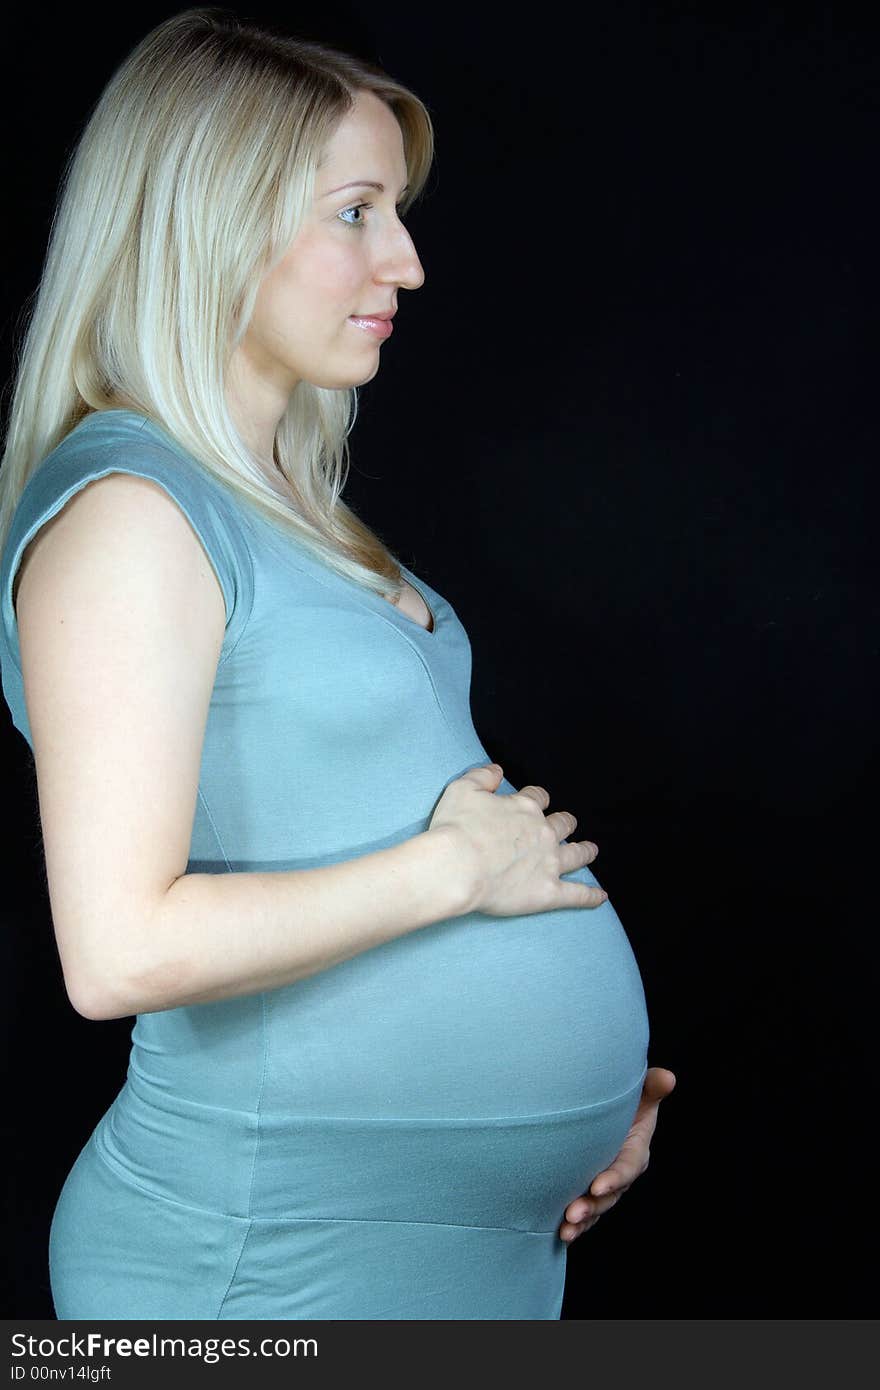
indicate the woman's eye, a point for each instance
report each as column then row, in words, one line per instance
column 362, row 221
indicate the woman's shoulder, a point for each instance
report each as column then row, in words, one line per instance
column 120, row 441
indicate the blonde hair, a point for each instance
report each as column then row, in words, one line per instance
column 191, row 178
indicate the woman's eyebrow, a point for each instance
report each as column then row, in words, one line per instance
column 364, row 183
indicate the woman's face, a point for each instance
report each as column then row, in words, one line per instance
column 346, row 261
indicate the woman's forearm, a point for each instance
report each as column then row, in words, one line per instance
column 215, row 936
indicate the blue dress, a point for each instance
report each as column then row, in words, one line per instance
column 396, row 1137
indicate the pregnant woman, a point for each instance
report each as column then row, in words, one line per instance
column 388, row 1027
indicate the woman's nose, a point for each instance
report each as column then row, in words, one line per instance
column 403, row 265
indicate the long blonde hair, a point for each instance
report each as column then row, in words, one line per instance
column 191, row 178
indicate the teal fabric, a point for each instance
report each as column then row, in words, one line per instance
column 396, row 1137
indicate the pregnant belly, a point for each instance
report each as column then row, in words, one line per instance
column 472, row 1016
column 476, row 1073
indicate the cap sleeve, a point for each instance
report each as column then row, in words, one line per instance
column 210, row 509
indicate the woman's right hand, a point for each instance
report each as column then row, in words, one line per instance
column 510, row 851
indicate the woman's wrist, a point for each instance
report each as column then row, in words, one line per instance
column 454, row 870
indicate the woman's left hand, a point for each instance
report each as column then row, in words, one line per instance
column 609, row 1185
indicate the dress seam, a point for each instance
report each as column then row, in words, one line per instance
column 234, row 1269
column 425, row 668
column 257, row 1136
column 398, row 1221
column 115, row 1167
column 213, row 826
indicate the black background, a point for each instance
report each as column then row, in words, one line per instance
column 625, row 428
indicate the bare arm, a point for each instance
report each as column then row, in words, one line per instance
column 121, row 622
column 252, row 931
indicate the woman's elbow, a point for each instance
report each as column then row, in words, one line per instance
column 96, row 1001
column 111, row 974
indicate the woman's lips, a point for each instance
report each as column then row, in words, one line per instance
column 380, row 328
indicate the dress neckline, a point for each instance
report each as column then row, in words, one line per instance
column 428, row 631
